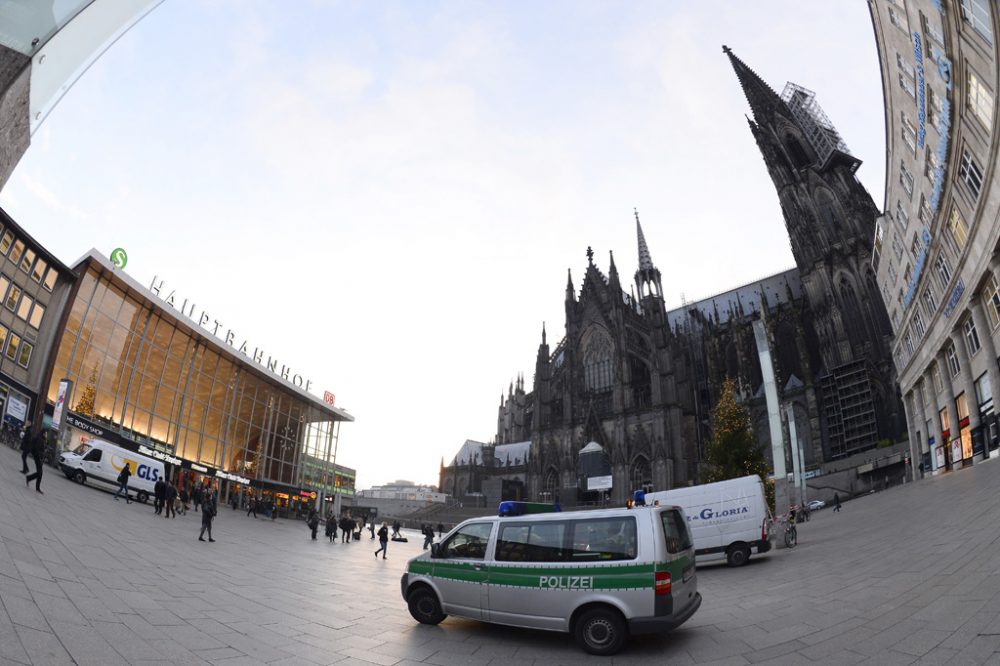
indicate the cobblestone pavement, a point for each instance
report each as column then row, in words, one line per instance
column 905, row 576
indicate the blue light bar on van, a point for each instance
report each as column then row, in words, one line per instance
column 512, row 508
column 639, row 498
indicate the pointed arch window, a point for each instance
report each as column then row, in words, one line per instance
column 640, row 475
column 597, row 368
column 796, row 152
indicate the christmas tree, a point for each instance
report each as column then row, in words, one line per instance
column 733, row 451
column 85, row 403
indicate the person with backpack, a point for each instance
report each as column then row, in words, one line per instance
column 428, row 531
column 25, row 447
column 331, row 527
column 383, row 540
column 159, row 495
column 313, row 522
column 123, row 477
column 208, row 510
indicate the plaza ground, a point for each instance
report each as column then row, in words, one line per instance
column 911, row 575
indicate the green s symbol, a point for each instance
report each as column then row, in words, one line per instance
column 119, row 257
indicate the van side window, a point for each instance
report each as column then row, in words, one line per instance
column 469, row 542
column 94, row 455
column 604, row 539
column 532, row 542
column 675, row 531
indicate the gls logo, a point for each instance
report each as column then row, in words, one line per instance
column 148, row 473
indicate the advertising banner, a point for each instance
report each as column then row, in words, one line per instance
column 61, row 397
column 17, row 409
column 599, row 483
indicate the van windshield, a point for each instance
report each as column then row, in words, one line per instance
column 675, row 531
column 82, row 449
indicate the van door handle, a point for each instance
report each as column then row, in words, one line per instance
column 477, row 567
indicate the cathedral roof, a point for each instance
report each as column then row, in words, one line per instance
column 776, row 288
column 473, row 450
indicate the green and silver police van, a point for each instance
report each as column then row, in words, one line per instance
column 600, row 575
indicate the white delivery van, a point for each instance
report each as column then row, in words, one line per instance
column 727, row 518
column 97, row 460
column 599, row 575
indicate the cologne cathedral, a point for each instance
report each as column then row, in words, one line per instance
column 639, row 380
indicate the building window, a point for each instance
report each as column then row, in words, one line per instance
column 6, row 242
column 906, row 179
column 909, row 132
column 926, row 216
column 915, row 245
column 971, row 336
column 37, row 313
column 936, row 375
column 24, row 308
column 13, row 296
column 918, row 323
column 4, row 284
column 991, row 300
column 893, row 274
column 945, row 421
column 895, row 319
column 12, row 346
column 934, row 108
column 943, row 270
column 597, row 364
column 907, row 274
column 933, row 33
column 961, row 407
column 24, row 357
column 15, row 254
column 980, row 101
column 977, row 14
column 930, row 302
column 50, row 279
column 930, row 163
column 898, row 21
column 953, row 365
column 984, row 394
column 897, row 247
column 970, row 174
column 901, row 215
column 958, row 228
column 39, row 270
column 27, row 260
column 908, row 343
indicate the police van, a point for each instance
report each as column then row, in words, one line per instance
column 599, row 575
column 100, row 461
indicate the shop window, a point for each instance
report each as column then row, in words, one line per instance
column 991, row 300
column 38, row 272
column 50, row 278
column 35, row 320
column 953, row 365
column 24, row 356
column 6, row 242
column 15, row 254
column 984, row 394
column 13, row 345
column 27, row 259
column 24, row 307
column 13, row 296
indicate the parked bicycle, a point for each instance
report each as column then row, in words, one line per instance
column 790, row 534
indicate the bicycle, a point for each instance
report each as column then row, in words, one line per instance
column 791, row 533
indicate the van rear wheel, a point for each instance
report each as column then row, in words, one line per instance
column 142, row 496
column 79, row 476
column 738, row 555
column 601, row 631
column 424, row 606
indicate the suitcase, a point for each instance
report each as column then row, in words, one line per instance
column 401, row 539
column 357, row 536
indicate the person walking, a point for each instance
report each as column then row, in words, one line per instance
column 395, row 529
column 440, row 530
column 428, row 536
column 331, row 527
column 345, row 528
column 836, row 503
column 196, row 497
column 123, row 477
column 37, row 451
column 184, row 498
column 383, row 540
column 208, row 510
column 25, row 447
column 159, row 494
column 371, row 527
column 313, row 522
column 170, row 497
column 252, row 507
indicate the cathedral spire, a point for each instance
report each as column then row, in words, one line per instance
column 645, row 261
column 613, row 271
column 570, row 292
column 543, row 333
column 761, row 96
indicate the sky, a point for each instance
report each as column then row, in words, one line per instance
column 388, row 195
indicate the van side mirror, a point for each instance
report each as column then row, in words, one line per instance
column 436, row 550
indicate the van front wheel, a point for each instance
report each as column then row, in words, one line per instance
column 600, row 631
column 79, row 476
column 424, row 606
column 738, row 555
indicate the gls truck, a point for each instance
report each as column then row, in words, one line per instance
column 727, row 518
column 101, row 461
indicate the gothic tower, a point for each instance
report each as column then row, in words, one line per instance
column 830, row 218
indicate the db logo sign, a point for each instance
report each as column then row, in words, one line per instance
column 329, row 398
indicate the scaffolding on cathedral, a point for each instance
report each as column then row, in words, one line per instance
column 820, row 132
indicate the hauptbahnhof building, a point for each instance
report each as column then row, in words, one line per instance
column 90, row 353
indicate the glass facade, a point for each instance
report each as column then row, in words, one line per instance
column 141, row 371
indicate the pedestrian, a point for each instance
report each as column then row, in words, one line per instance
column 169, row 497
column 331, row 527
column 159, row 494
column 196, row 497
column 252, row 507
column 395, row 529
column 185, row 498
column 921, row 468
column 440, row 530
column 123, row 477
column 37, row 451
column 345, row 529
column 208, row 510
column 428, row 536
column 274, row 510
column 371, row 527
column 25, row 447
column 383, row 540
column 313, row 522
column 836, row 503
